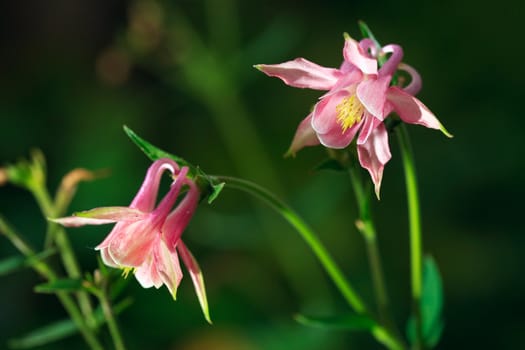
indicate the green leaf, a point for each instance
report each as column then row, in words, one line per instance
column 215, row 192
column 431, row 306
column 343, row 322
column 11, row 264
column 61, row 285
column 60, row 329
column 151, row 151
column 15, row 263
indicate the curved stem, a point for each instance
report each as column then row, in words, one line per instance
column 307, row 234
column 416, row 244
column 381, row 333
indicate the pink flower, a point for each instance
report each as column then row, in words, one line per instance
column 147, row 239
column 359, row 98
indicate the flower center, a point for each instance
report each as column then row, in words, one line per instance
column 349, row 111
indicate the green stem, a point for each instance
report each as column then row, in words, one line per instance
column 366, row 226
column 416, row 245
column 381, row 333
column 58, row 234
column 44, row 270
column 110, row 319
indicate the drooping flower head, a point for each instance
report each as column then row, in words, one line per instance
column 359, row 98
column 147, row 239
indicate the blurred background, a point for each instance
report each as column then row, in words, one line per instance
column 180, row 74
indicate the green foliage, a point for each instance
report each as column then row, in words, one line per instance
column 45, row 335
column 14, row 263
column 61, row 285
column 431, row 306
column 11, row 264
column 28, row 174
column 60, row 329
column 343, row 322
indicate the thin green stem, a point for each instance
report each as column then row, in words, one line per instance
column 381, row 333
column 416, row 244
column 111, row 321
column 366, row 226
column 58, row 234
column 47, row 272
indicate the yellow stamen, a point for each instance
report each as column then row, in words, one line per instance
column 127, row 270
column 349, row 111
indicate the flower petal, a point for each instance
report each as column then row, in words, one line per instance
column 413, row 111
column 324, row 116
column 369, row 124
column 304, row 136
column 338, row 139
column 374, row 154
column 372, row 94
column 130, row 244
column 100, row 216
column 391, row 65
column 107, row 259
column 346, row 82
column 179, row 218
column 354, row 54
column 168, row 267
column 415, row 84
column 147, row 274
column 302, row 73
column 147, row 195
column 196, row 277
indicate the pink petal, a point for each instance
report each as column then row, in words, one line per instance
column 304, row 136
column 75, row 221
column 130, row 244
column 338, row 139
column 369, row 124
column 347, row 82
column 372, row 94
column 196, row 277
column 302, row 73
column 324, row 116
column 179, row 218
column 415, row 84
column 107, row 259
column 413, row 111
column 391, row 65
column 147, row 274
column 165, row 205
column 168, row 267
column 147, row 195
column 100, row 216
column 354, row 54
column 374, row 154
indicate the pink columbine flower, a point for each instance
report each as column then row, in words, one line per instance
column 359, row 98
column 147, row 239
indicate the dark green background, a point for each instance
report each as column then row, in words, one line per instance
column 258, row 272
